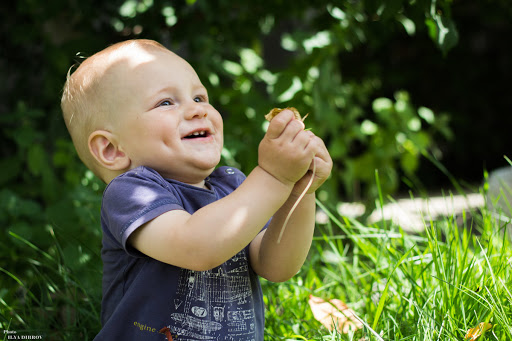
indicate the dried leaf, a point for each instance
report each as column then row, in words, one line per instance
column 476, row 332
column 276, row 111
column 334, row 314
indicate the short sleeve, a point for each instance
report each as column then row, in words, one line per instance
column 132, row 200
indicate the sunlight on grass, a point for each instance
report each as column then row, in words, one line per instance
column 434, row 285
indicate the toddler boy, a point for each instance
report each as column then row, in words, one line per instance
column 184, row 242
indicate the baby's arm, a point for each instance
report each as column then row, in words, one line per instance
column 219, row 230
column 279, row 261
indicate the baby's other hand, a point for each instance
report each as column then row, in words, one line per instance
column 286, row 151
column 322, row 166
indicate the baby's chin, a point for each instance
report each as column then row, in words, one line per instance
column 207, row 165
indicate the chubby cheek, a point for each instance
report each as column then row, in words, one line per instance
column 163, row 130
column 219, row 129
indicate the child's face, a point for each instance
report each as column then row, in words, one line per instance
column 164, row 118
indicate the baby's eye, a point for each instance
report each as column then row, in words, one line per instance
column 164, row 103
column 199, row 99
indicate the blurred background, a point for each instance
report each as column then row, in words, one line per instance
column 408, row 95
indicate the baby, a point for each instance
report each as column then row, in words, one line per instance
column 184, row 242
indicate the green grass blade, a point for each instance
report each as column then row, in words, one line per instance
column 384, row 295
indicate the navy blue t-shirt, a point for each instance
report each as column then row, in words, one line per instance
column 142, row 296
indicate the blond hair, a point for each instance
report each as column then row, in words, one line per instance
column 85, row 97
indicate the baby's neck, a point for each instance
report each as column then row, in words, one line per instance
column 202, row 184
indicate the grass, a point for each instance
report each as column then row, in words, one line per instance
column 431, row 286
column 52, row 296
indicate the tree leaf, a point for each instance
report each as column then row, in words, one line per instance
column 443, row 32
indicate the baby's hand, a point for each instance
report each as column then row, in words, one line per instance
column 320, row 168
column 285, row 151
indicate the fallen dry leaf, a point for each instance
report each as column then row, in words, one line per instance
column 334, row 314
column 476, row 332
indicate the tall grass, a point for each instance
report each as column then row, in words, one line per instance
column 434, row 285
column 54, row 296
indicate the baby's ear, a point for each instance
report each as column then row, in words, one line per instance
column 104, row 148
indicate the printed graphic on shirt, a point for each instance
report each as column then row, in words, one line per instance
column 215, row 304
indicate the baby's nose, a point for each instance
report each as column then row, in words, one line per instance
column 195, row 112
column 201, row 114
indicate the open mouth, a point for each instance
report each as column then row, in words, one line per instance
column 197, row 134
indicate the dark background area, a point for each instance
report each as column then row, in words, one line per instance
column 470, row 83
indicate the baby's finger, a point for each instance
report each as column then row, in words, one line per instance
column 293, row 129
column 323, row 168
column 279, row 123
column 320, row 149
column 322, row 157
column 302, row 141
